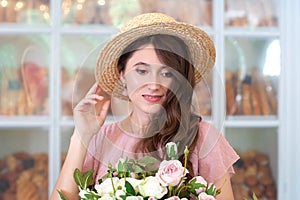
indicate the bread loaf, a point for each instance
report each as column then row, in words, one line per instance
column 253, row 175
column 246, row 99
column 260, row 87
column 230, row 98
column 271, row 95
column 255, row 101
column 24, row 176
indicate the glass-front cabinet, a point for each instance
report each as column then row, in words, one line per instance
column 48, row 51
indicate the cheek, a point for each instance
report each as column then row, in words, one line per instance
column 132, row 88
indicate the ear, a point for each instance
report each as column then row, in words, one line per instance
column 122, row 78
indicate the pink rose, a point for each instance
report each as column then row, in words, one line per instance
column 201, row 180
column 204, row 196
column 173, row 198
column 170, row 172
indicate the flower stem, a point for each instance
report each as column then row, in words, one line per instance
column 170, row 191
column 186, row 152
column 111, row 178
column 181, row 188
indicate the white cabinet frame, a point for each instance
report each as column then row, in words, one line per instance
column 288, row 122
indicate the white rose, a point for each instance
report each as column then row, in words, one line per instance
column 150, row 187
column 119, row 193
column 134, row 198
column 82, row 193
column 106, row 186
column 134, row 183
column 106, row 197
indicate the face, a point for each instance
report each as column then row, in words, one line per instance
column 147, row 80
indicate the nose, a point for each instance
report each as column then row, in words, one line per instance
column 153, row 86
column 154, row 81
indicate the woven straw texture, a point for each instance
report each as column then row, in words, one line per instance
column 200, row 44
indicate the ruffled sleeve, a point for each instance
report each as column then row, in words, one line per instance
column 213, row 155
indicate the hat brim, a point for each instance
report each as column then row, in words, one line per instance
column 201, row 48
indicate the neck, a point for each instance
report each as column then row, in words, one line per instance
column 141, row 121
column 136, row 125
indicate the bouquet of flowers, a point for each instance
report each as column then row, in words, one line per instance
column 147, row 179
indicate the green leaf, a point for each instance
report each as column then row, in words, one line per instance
column 196, row 185
column 254, row 197
column 83, row 180
column 62, row 197
column 105, row 176
column 147, row 160
column 77, row 175
column 88, row 179
column 129, row 189
column 89, row 196
column 129, row 166
column 211, row 190
column 138, row 169
column 193, row 185
column 147, row 163
column 120, row 166
column 171, row 150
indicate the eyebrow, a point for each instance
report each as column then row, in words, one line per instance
column 149, row 65
column 142, row 63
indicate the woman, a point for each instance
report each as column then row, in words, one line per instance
column 154, row 63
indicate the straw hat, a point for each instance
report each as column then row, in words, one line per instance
column 200, row 44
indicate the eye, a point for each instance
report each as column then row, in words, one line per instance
column 167, row 74
column 141, row 71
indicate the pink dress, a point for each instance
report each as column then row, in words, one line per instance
column 212, row 157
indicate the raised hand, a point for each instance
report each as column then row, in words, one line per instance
column 88, row 117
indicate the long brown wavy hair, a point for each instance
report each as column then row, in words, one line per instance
column 180, row 125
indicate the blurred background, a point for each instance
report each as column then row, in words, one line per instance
column 48, row 51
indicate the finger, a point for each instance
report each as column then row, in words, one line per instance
column 98, row 89
column 86, row 102
column 93, row 89
column 104, row 111
column 94, row 97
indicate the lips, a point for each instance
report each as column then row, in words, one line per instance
column 152, row 98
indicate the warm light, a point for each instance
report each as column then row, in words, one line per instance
column 19, row 5
column 272, row 63
column 4, row 3
column 43, row 7
column 66, row 11
column 101, row 2
column 81, row 1
column 66, row 7
column 79, row 6
column 46, row 15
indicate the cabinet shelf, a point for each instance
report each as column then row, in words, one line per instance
column 24, row 122
column 252, row 32
column 68, row 44
column 230, row 122
column 88, row 29
column 251, row 122
column 67, row 121
column 23, row 29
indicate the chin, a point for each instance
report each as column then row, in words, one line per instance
column 154, row 109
